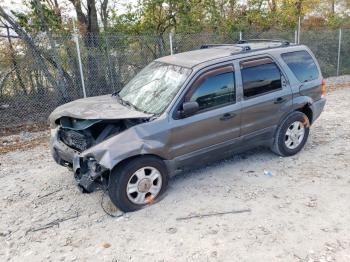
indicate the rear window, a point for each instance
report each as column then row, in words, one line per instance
column 302, row 65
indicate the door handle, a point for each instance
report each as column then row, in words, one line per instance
column 279, row 100
column 227, row 116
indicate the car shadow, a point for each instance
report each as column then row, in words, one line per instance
column 198, row 172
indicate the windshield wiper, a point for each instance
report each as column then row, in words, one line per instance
column 121, row 100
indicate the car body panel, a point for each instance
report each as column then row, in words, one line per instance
column 97, row 107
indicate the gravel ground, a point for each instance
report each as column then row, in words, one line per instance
column 338, row 80
column 299, row 213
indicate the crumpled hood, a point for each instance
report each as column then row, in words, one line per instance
column 98, row 107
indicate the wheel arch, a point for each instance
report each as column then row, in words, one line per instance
column 303, row 108
column 304, row 104
column 306, row 109
column 133, row 157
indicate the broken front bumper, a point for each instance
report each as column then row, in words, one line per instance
column 87, row 171
column 60, row 152
column 89, row 174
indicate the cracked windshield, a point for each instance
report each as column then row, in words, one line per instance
column 152, row 89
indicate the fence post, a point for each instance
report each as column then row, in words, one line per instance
column 171, row 42
column 296, row 37
column 299, row 29
column 240, row 35
column 339, row 49
column 76, row 40
column 110, row 68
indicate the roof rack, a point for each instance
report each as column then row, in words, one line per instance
column 243, row 48
column 247, row 47
column 282, row 41
column 215, row 45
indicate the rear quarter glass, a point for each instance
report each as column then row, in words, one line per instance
column 302, row 65
column 305, row 69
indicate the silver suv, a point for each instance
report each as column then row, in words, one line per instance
column 185, row 110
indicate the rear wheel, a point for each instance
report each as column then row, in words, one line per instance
column 138, row 183
column 292, row 134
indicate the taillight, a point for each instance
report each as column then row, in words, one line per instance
column 323, row 89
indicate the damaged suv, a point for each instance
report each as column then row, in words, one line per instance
column 186, row 110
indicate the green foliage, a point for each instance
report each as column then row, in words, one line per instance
column 192, row 16
column 224, row 16
column 30, row 20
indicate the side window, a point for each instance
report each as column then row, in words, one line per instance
column 302, row 65
column 260, row 77
column 215, row 91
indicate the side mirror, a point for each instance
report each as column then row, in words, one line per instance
column 189, row 108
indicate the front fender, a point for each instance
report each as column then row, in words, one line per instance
column 129, row 143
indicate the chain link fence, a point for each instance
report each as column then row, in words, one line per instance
column 35, row 82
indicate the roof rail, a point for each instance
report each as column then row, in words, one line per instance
column 243, row 48
column 215, row 45
column 282, row 41
column 247, row 47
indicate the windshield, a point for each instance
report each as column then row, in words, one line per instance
column 153, row 88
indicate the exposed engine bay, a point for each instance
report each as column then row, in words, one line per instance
column 80, row 134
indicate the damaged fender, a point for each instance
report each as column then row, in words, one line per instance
column 132, row 142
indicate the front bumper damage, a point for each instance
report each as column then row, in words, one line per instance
column 88, row 173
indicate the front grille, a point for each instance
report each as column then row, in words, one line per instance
column 75, row 139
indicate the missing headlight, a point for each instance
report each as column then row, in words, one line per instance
column 76, row 139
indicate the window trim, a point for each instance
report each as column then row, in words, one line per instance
column 203, row 77
column 255, row 62
column 258, row 61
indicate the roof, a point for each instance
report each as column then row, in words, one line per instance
column 211, row 52
column 195, row 57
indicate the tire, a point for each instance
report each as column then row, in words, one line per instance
column 288, row 140
column 137, row 175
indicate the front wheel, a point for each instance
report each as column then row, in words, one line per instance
column 137, row 183
column 292, row 134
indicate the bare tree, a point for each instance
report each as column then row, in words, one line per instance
column 13, row 60
column 40, row 61
column 104, row 13
column 53, row 50
column 90, row 30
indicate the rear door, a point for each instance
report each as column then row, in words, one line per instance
column 267, row 96
column 209, row 133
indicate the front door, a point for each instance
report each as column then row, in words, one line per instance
column 207, row 134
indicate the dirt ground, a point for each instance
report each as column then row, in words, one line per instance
column 299, row 213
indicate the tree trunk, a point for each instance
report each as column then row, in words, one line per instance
column 333, row 7
column 32, row 47
column 14, row 62
column 104, row 13
column 3, row 81
column 96, row 83
column 299, row 6
column 63, row 85
column 80, row 14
